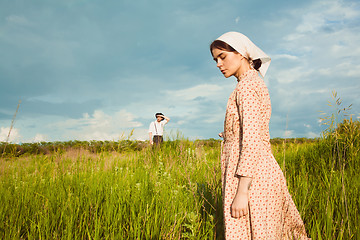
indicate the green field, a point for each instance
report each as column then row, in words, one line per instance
column 129, row 190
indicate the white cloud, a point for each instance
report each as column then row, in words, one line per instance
column 315, row 48
column 296, row 74
column 324, row 36
column 325, row 71
column 200, row 103
column 214, row 118
column 14, row 134
column 325, row 14
column 19, row 20
column 325, row 28
column 309, row 91
column 340, row 9
column 202, row 90
column 311, row 23
column 284, row 56
column 39, row 138
column 288, row 133
column 312, row 135
column 181, row 122
column 349, row 69
column 100, row 126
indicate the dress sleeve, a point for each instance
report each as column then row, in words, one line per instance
column 249, row 111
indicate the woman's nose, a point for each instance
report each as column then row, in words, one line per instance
column 219, row 63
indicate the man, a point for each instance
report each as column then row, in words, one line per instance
column 156, row 128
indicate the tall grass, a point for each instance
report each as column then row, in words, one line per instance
column 171, row 192
column 162, row 193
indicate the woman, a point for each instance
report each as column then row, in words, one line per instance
column 257, row 204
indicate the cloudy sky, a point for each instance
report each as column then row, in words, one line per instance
column 95, row 70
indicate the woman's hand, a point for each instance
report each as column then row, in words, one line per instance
column 221, row 134
column 240, row 205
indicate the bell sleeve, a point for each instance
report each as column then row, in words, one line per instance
column 249, row 107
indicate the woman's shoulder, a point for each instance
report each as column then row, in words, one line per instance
column 253, row 84
column 252, row 80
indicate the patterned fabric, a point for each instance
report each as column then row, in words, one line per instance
column 247, row 152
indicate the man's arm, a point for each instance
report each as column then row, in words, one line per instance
column 166, row 118
column 150, row 132
column 150, row 138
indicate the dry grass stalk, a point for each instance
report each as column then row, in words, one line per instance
column 11, row 127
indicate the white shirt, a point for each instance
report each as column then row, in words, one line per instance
column 157, row 128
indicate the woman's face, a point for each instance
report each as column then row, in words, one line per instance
column 229, row 63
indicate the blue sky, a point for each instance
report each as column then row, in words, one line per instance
column 95, row 70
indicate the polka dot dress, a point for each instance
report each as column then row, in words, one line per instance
column 247, row 152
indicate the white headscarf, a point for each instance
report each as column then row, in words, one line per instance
column 247, row 49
